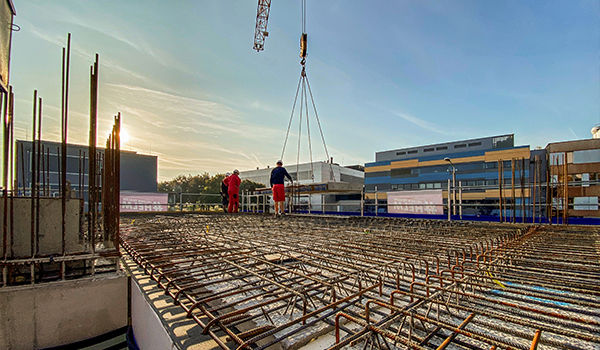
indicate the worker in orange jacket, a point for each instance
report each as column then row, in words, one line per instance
column 233, row 188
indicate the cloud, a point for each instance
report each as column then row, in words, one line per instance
column 103, row 23
column 422, row 123
column 191, row 134
column 573, row 132
column 76, row 49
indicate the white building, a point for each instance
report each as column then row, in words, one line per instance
column 317, row 173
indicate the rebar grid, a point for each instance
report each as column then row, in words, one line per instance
column 404, row 283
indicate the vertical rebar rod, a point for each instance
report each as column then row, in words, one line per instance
column 5, row 129
column 106, row 189
column 117, row 177
column 33, row 171
column 11, row 95
column 37, row 178
column 65, row 122
column 92, row 162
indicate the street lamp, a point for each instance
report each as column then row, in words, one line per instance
column 453, row 185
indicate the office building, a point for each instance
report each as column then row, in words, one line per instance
column 474, row 163
column 138, row 171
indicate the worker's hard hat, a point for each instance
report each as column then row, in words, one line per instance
column 236, row 171
column 280, row 162
column 227, row 174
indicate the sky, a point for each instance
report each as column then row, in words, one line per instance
column 384, row 75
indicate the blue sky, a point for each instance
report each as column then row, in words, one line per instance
column 384, row 75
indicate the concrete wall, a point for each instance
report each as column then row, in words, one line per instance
column 148, row 329
column 50, row 232
column 60, row 313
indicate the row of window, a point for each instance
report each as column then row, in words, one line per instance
column 576, row 157
column 435, row 185
column 439, row 148
column 460, row 168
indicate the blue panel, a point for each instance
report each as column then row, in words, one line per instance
column 377, row 180
column 383, row 162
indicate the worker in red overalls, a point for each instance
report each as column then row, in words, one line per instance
column 233, row 188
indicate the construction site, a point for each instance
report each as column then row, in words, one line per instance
column 253, row 281
column 80, row 273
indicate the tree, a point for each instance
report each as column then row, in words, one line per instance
column 201, row 183
column 250, row 185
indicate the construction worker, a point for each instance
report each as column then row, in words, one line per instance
column 225, row 193
column 233, row 188
column 278, row 175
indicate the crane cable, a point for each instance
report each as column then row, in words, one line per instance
column 304, row 107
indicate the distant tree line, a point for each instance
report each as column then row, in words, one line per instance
column 202, row 183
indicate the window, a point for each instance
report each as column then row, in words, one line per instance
column 396, row 173
column 413, row 151
column 474, row 144
column 421, row 186
column 491, row 165
column 437, row 185
column 429, row 185
column 441, row 148
column 462, row 145
column 502, row 142
column 429, row 149
column 401, row 153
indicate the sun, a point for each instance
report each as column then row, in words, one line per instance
column 124, row 137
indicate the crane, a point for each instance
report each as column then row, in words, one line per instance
column 262, row 19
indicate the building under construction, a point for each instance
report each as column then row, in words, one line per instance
column 88, row 276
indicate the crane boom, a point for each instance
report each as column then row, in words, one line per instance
column 262, row 18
